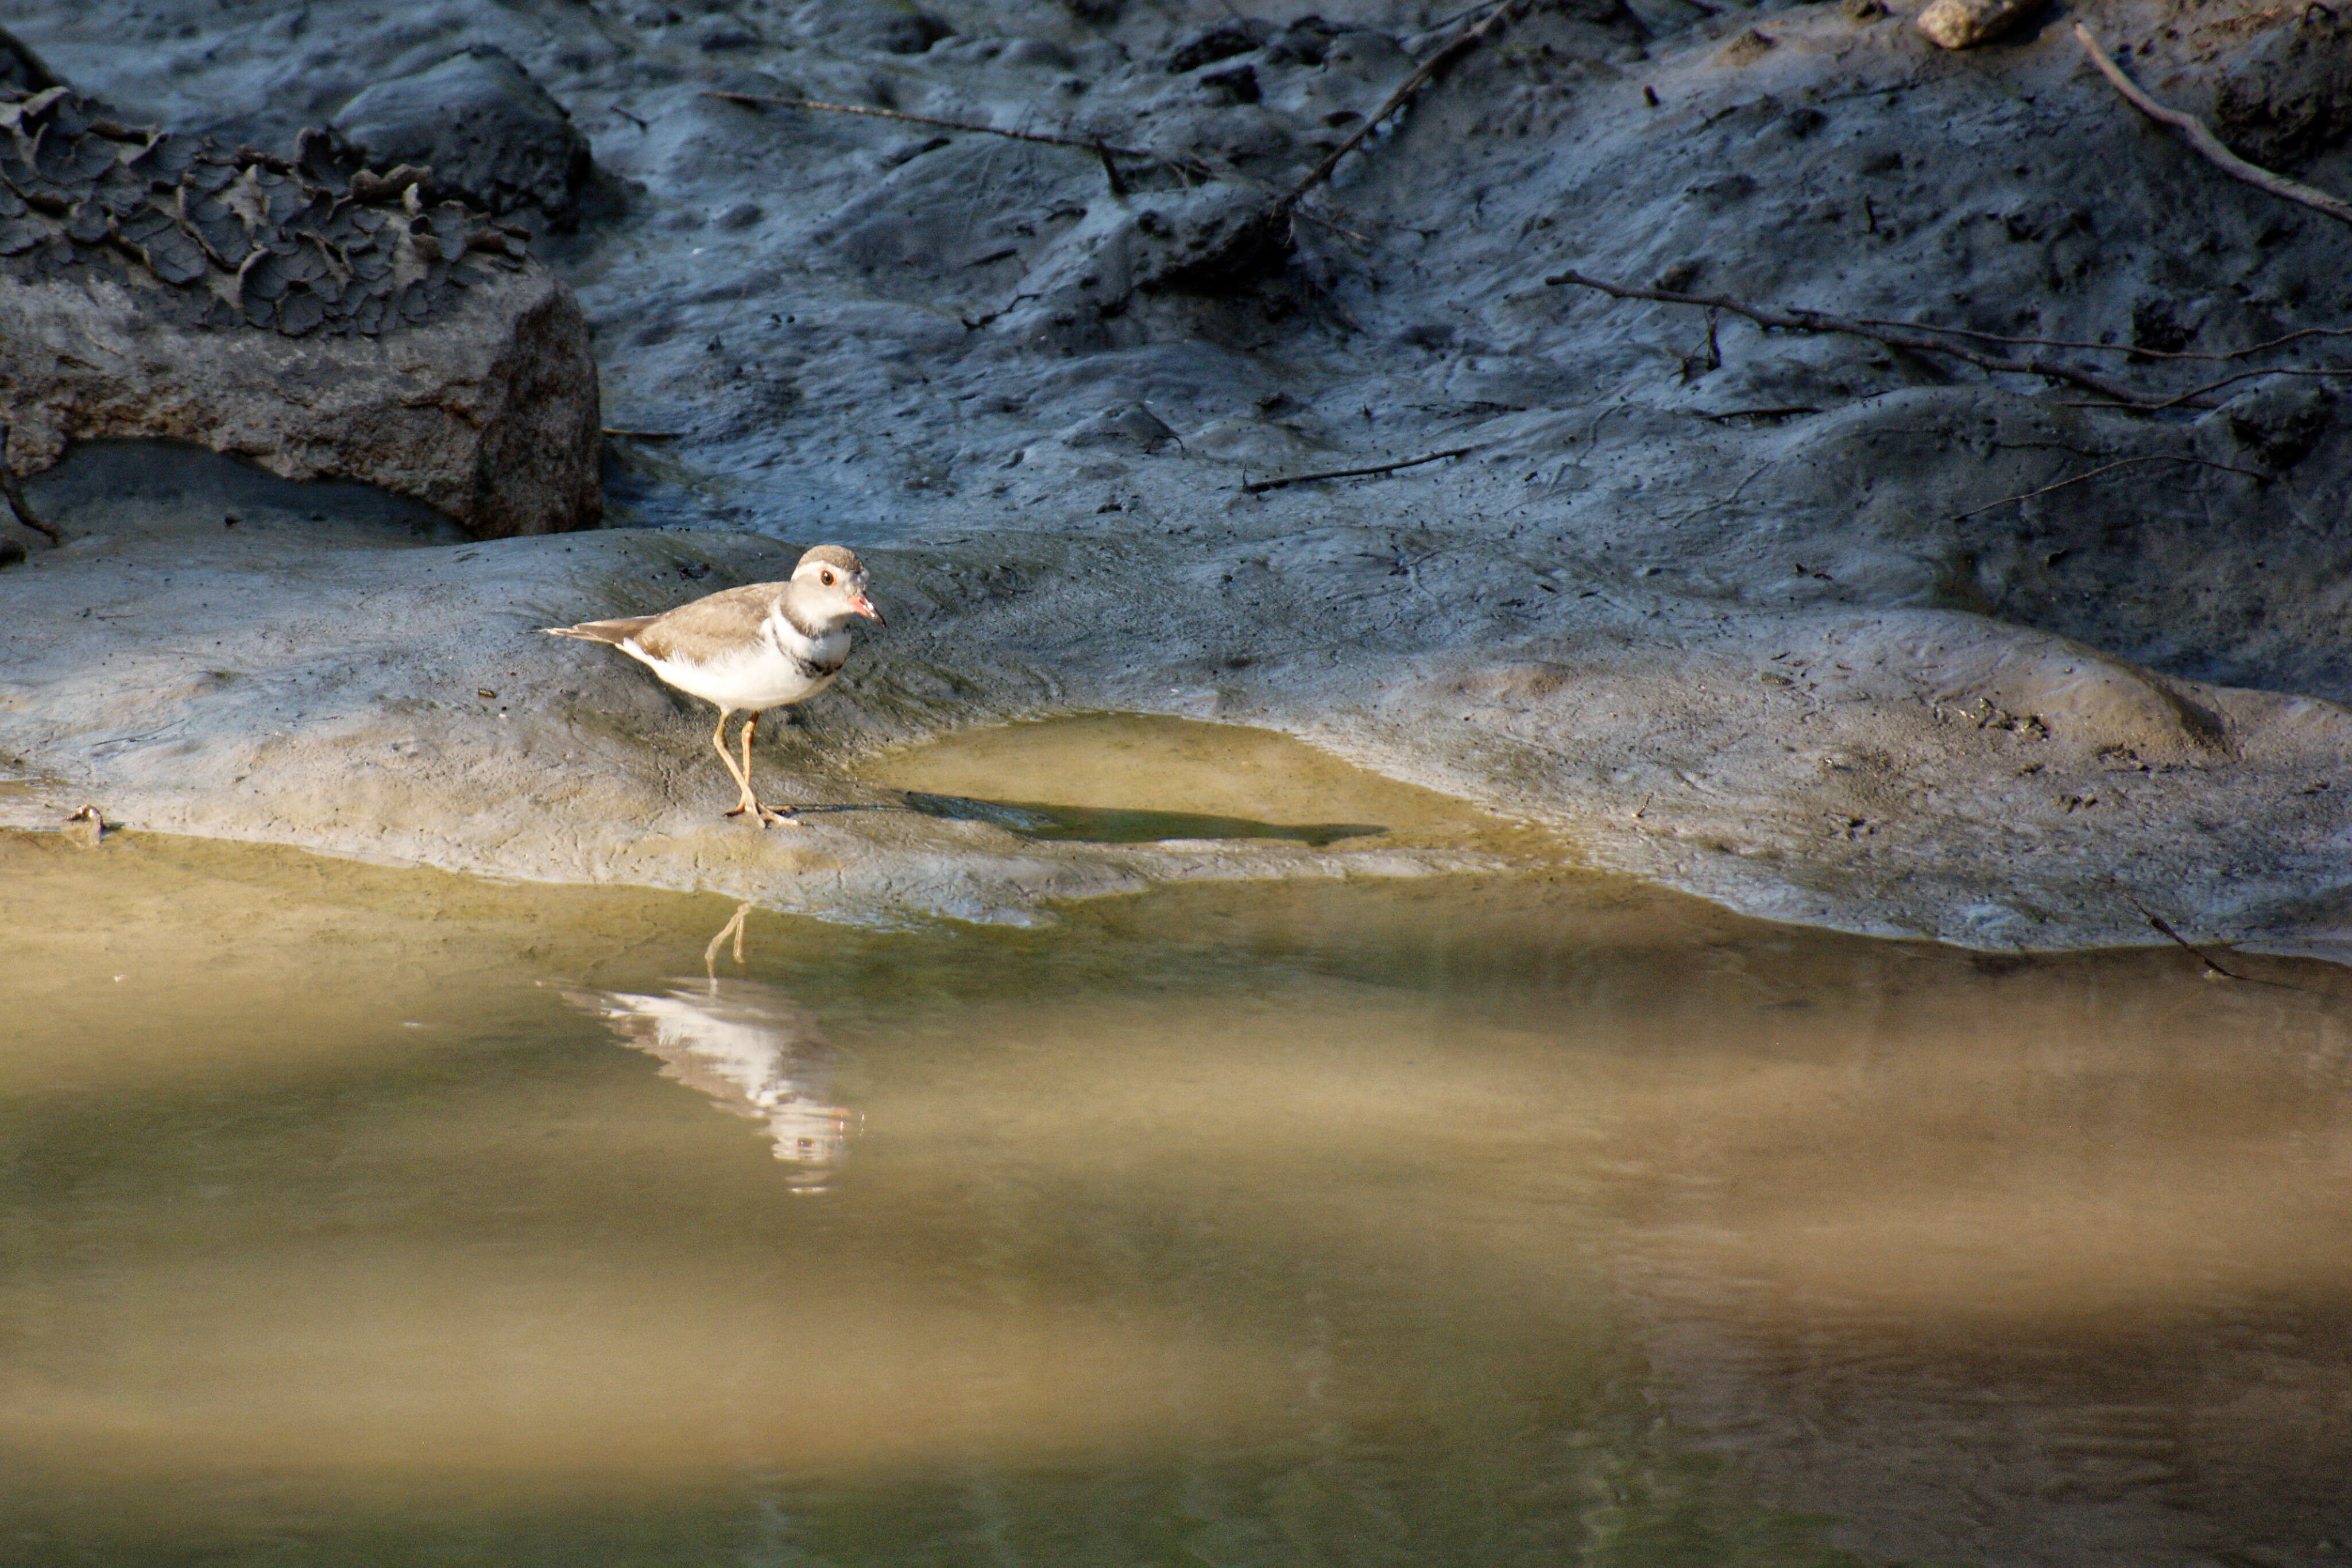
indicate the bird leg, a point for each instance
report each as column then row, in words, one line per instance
column 750, row 802
column 727, row 760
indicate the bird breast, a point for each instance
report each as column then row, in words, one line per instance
column 780, row 664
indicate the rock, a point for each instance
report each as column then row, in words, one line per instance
column 723, row 38
column 1303, row 43
column 1131, row 426
column 489, row 134
column 1128, row 426
column 1042, row 54
column 1964, row 24
column 2291, row 98
column 2280, row 422
column 1210, row 240
column 344, row 331
column 911, row 32
column 1366, row 55
column 21, row 70
column 1222, row 42
column 1238, row 85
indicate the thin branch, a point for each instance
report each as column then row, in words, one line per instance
column 1802, row 320
column 2204, row 957
column 1788, row 411
column 2188, row 397
column 2207, row 145
column 1259, row 487
column 1460, row 44
column 1099, row 148
column 2137, row 354
column 2107, row 468
column 2165, row 930
column 2212, row 965
column 15, row 494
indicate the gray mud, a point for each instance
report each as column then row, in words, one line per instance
column 1816, row 629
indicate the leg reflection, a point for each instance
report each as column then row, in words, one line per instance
column 749, row 1047
column 734, row 927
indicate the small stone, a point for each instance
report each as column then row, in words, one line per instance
column 1236, row 85
column 1964, row 24
column 910, row 33
column 1129, row 426
column 1222, row 42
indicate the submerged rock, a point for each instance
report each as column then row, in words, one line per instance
column 164, row 286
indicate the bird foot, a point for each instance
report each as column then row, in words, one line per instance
column 768, row 817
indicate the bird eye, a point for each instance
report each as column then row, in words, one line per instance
column 827, row 577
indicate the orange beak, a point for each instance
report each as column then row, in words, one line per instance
column 865, row 606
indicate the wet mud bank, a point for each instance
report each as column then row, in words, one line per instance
column 1827, row 627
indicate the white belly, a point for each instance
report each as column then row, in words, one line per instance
column 758, row 677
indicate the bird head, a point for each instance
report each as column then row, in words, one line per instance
column 831, row 580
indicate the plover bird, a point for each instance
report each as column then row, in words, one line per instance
column 749, row 649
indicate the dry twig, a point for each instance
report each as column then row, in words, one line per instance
column 1102, row 149
column 2133, row 350
column 1909, row 340
column 1786, row 411
column 1259, row 487
column 2164, row 929
column 2109, row 468
column 2207, row 145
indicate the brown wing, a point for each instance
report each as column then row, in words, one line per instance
column 604, row 631
column 712, row 627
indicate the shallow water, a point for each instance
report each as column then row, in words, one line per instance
column 1128, row 777
column 363, row 1216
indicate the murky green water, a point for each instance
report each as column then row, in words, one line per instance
column 355, row 1216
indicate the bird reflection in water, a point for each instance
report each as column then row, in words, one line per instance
column 754, row 1051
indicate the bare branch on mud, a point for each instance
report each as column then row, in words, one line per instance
column 2163, row 928
column 2207, row 145
column 1259, row 487
column 2109, row 468
column 2131, row 350
column 2188, row 398
column 1910, row 340
column 1785, row 411
column 1101, row 149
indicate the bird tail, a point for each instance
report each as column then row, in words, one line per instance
column 614, row 632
